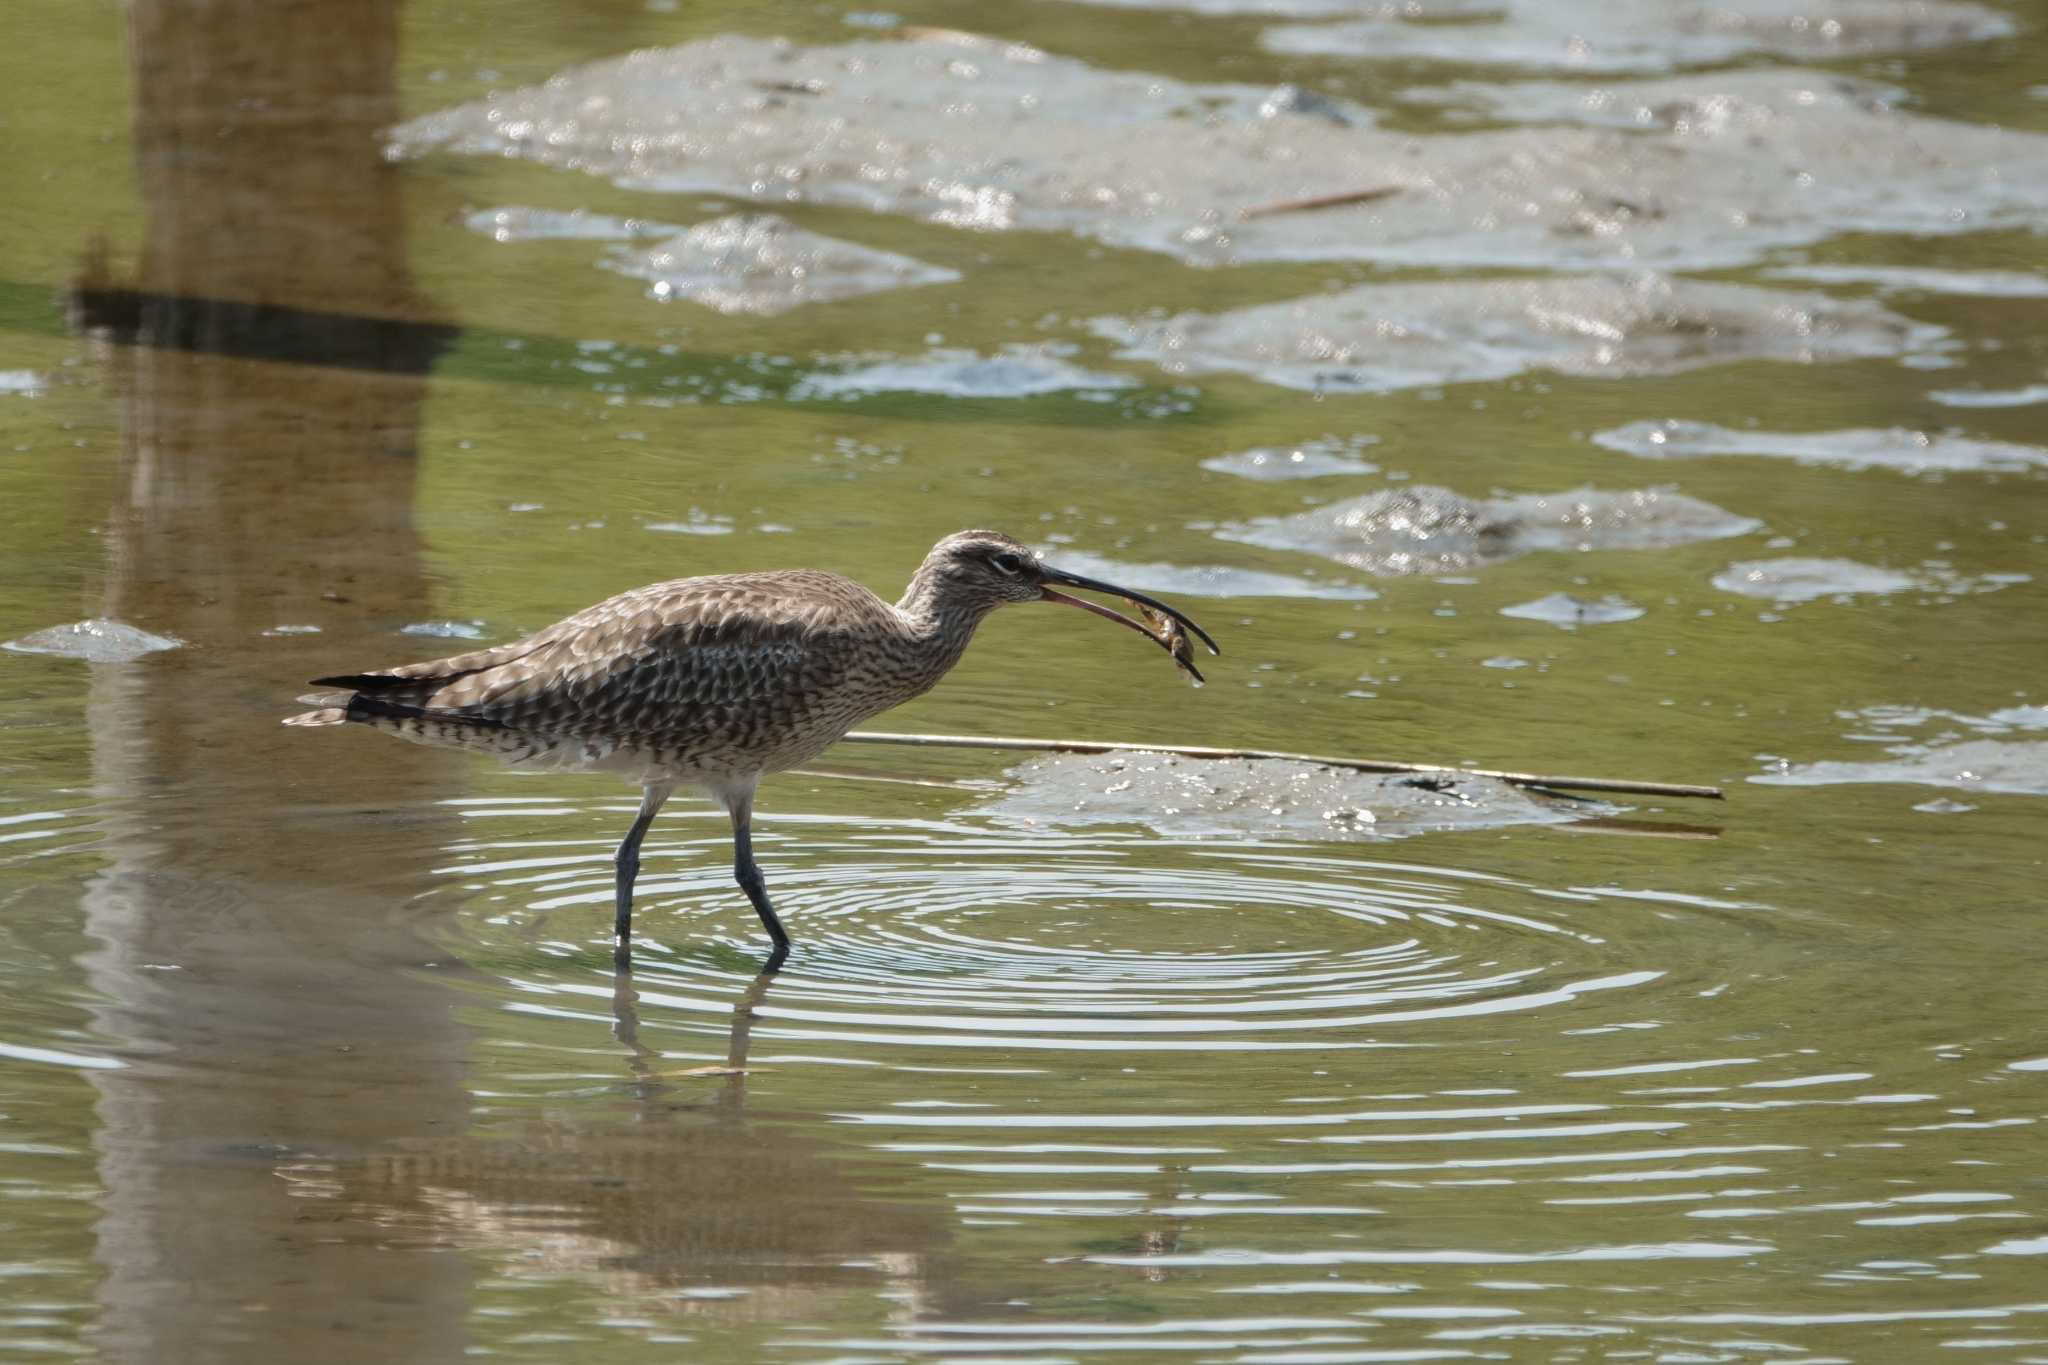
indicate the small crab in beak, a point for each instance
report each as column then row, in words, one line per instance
column 1163, row 625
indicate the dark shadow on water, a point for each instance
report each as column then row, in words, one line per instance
column 244, row 330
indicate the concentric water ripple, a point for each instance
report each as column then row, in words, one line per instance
column 940, row 934
column 1456, row 1114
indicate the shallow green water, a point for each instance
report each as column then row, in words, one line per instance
column 310, row 1047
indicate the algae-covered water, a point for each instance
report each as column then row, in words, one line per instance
column 1616, row 390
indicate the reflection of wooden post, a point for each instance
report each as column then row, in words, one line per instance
column 258, row 129
column 292, row 1019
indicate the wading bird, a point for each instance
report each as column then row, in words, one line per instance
column 712, row 682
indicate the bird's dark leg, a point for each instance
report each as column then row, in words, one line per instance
column 627, row 863
column 748, row 875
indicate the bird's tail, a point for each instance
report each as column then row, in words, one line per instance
column 326, row 715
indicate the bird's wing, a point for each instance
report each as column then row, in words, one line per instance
column 632, row 663
column 437, row 672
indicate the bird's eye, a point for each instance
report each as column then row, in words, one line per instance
column 1007, row 563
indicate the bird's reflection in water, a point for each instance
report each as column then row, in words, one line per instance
column 648, row 1084
column 685, row 1203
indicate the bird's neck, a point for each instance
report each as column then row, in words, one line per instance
column 936, row 624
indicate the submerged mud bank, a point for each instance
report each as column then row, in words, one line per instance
column 1422, row 529
column 1790, row 581
column 1895, row 448
column 1599, row 35
column 1936, row 748
column 983, row 134
column 1266, row 798
column 1379, row 338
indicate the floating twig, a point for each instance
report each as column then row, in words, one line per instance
column 1641, row 829
column 702, row 1071
column 1320, row 201
column 1364, row 765
column 811, row 87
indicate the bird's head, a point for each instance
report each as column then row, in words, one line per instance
column 981, row 570
column 974, row 572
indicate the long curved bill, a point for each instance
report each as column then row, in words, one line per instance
column 1169, row 638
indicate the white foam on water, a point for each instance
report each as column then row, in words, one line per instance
column 1018, row 371
column 1600, row 36
column 1566, row 611
column 1891, row 279
column 445, row 630
column 1991, row 398
column 761, row 264
column 987, row 135
column 94, row 641
column 1381, row 338
column 1423, row 529
column 1803, row 580
column 518, row 223
column 1330, row 455
column 1897, row 448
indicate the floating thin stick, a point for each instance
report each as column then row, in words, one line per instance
column 1364, row 765
column 790, row 87
column 1320, row 201
column 1641, row 829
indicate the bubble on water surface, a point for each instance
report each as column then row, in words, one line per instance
column 1564, row 610
column 517, row 223
column 1794, row 580
column 22, row 384
column 445, row 630
column 1899, row 448
column 1802, row 580
column 696, row 524
column 1384, row 337
column 1308, row 460
column 95, row 642
column 761, row 264
column 1423, row 529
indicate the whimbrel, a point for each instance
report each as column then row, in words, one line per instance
column 713, row 682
